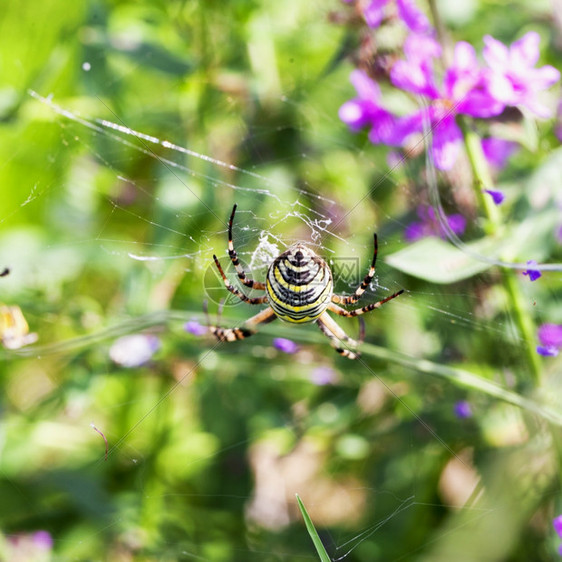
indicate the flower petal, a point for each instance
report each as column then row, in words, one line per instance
column 550, row 335
column 497, row 196
column 464, row 57
column 414, row 77
column 421, row 47
column 501, row 88
column 412, row 16
column 479, row 103
column 416, row 230
column 538, row 108
column 525, row 51
column 384, row 129
column 495, row 53
column 410, row 124
column 366, row 88
column 446, row 143
column 557, row 524
column 547, row 351
column 374, row 12
column 532, row 272
column 497, row 151
column 353, row 113
column 544, row 77
column 457, row 223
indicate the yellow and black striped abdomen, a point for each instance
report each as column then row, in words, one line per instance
column 299, row 285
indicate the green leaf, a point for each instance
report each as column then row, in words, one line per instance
column 312, row 532
column 437, row 261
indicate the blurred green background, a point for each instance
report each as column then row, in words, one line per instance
column 109, row 235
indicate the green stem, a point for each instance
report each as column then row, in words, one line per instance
column 483, row 180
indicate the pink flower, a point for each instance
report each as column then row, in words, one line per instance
column 550, row 337
column 365, row 110
column 463, row 91
column 513, row 78
column 408, row 12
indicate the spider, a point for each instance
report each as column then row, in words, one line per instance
column 298, row 289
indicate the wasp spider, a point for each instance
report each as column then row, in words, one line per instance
column 298, row 289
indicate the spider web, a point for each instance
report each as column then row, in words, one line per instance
column 258, row 240
column 180, row 188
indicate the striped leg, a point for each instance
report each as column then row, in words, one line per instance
column 337, row 336
column 337, row 299
column 236, row 262
column 245, row 331
column 350, row 313
column 234, row 290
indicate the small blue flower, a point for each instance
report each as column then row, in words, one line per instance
column 193, row 327
column 532, row 272
column 550, row 336
column 497, row 196
column 462, row 409
column 323, row 375
column 134, row 350
column 547, row 351
column 284, row 345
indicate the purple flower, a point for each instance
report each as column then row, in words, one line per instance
column 557, row 524
column 284, row 345
column 365, row 110
column 33, row 546
column 547, row 351
column 323, row 375
column 559, row 234
column 462, row 409
column 429, row 226
column 497, row 196
column 513, row 78
column 532, row 272
column 193, row 327
column 134, row 350
column 497, row 151
column 464, row 91
column 408, row 12
column 550, row 337
column 42, row 540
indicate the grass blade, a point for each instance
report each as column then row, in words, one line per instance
column 312, row 532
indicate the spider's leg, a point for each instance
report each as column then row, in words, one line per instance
column 337, row 299
column 358, row 311
column 337, row 336
column 234, row 290
column 236, row 262
column 245, row 331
